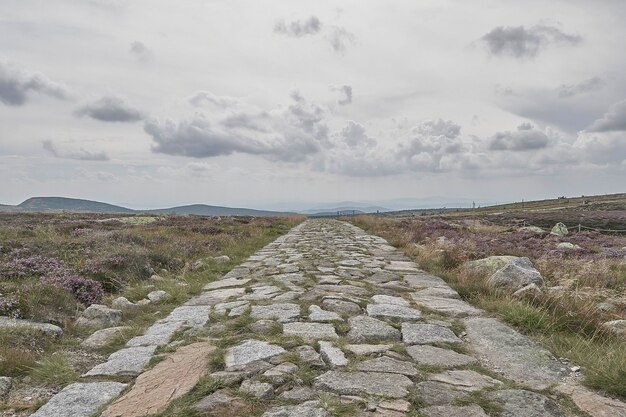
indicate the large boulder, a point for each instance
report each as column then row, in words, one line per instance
column 97, row 315
column 559, row 229
column 507, row 271
column 617, row 327
column 45, row 329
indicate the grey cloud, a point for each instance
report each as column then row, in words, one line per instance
column 110, row 109
column 586, row 86
column 298, row 28
column 81, row 155
column 613, row 120
column 526, row 138
column 16, row 86
column 206, row 97
column 521, row 42
column 353, row 135
column 345, row 94
column 288, row 134
column 140, row 51
column 339, row 39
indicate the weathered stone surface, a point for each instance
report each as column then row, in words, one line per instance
column 592, row 403
column 360, row 383
column 342, row 289
column 317, row 314
column 157, row 296
column 222, row 259
column 381, row 276
column 465, row 380
column 279, row 374
column 423, row 280
column 43, row 328
column 521, row 403
column 341, row 306
column 261, row 390
column 402, row 266
column 333, row 356
column 445, row 358
column 80, row 399
column 307, row 409
column 423, row 334
column 282, row 312
column 387, row 364
column 5, row 386
column 309, row 356
column 210, row 298
column 513, row 355
column 617, row 327
column 453, row 411
column 124, row 362
column 364, row 328
column 250, row 351
column 98, row 315
column 158, row 334
column 489, row 265
column 299, row 394
column 263, row 292
column 310, row 331
column 122, row 303
column 446, row 306
column 171, row 378
column 225, row 283
column 191, row 315
column 438, row 393
column 514, row 276
column 390, row 299
column 223, row 404
column 103, row 337
column 393, row 310
column 567, row 246
column 559, row 229
column 438, row 292
column 365, row 349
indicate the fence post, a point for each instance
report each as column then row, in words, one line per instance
column 578, row 227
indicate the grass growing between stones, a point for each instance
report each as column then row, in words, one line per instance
column 568, row 324
column 54, row 370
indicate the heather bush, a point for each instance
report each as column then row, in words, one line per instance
column 86, row 290
column 31, row 265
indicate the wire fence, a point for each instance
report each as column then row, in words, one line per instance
column 579, row 227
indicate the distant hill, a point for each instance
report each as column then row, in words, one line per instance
column 205, row 210
column 58, row 204
column 42, row 204
column 345, row 210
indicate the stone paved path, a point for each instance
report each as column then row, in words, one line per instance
column 329, row 311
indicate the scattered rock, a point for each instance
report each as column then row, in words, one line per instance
column 528, row 290
column 532, row 229
column 617, row 327
column 365, row 328
column 122, row 303
column 333, row 356
column 5, row 386
column 264, row 326
column 80, row 399
column 46, row 329
column 515, row 276
column 97, row 315
column 157, row 296
column 567, row 246
column 103, row 337
column 559, row 229
column 223, row 259
column 171, row 378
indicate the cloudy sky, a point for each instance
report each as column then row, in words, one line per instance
column 291, row 104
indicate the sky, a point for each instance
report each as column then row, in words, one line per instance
column 296, row 104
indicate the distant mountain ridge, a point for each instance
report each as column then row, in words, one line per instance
column 59, row 204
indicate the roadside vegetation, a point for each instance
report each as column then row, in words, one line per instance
column 584, row 288
column 53, row 266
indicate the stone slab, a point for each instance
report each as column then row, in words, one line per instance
column 80, row 399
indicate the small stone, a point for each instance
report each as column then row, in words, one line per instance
column 364, row 383
column 223, row 259
column 222, row 404
column 299, row 394
column 279, row 374
column 250, row 351
column 395, row 405
column 617, row 327
column 157, row 296
column 423, row 334
column 122, row 303
column 567, row 246
column 103, row 337
column 5, row 386
column 310, row 331
column 333, row 356
column 264, row 326
column 261, row 390
column 559, row 229
column 453, row 411
column 80, row 399
column 309, row 356
column 528, row 290
column 97, row 315
column 365, row 328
